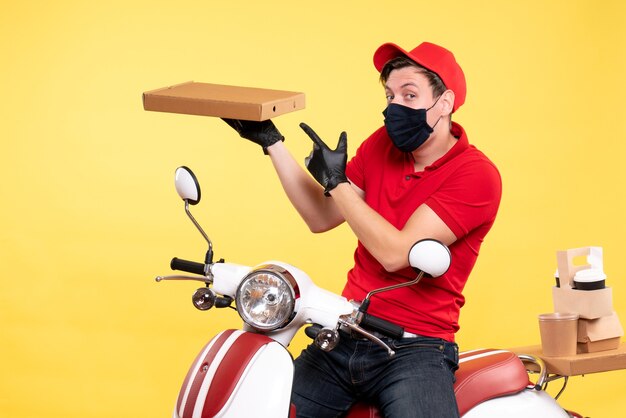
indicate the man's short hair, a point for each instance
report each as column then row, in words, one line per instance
column 434, row 81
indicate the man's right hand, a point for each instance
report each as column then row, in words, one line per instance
column 263, row 133
column 327, row 166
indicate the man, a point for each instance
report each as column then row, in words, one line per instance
column 416, row 177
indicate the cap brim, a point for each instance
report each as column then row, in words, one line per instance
column 387, row 52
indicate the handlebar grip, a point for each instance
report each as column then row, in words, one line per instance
column 186, row 265
column 387, row 328
column 313, row 330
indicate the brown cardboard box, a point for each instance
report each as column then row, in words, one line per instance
column 223, row 101
column 589, row 304
column 599, row 334
column 595, row 346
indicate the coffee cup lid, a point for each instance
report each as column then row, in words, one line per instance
column 558, row 316
column 589, row 275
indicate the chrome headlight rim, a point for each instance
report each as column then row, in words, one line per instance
column 280, row 273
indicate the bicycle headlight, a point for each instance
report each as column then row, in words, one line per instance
column 266, row 297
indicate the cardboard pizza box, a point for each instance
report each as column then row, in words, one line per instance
column 234, row 102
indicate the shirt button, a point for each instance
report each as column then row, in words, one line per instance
column 407, row 178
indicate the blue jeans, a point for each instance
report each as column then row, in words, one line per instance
column 416, row 382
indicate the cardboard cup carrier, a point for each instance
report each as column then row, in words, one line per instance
column 558, row 333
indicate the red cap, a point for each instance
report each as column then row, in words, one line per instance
column 432, row 57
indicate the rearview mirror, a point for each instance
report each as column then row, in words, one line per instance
column 188, row 189
column 430, row 256
column 187, row 185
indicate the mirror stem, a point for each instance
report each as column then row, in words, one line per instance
column 366, row 302
column 209, row 257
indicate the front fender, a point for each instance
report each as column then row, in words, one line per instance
column 237, row 374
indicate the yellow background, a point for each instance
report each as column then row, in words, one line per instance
column 89, row 214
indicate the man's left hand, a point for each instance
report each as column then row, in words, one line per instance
column 327, row 166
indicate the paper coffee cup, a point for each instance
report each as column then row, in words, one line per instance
column 559, row 333
column 589, row 279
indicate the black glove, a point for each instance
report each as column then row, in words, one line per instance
column 263, row 133
column 327, row 166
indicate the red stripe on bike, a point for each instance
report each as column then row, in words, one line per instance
column 199, row 375
column 230, row 370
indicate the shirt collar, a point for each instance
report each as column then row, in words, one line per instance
column 461, row 145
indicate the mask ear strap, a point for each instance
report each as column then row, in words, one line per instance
column 435, row 102
column 433, row 127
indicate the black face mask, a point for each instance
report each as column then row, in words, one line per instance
column 407, row 127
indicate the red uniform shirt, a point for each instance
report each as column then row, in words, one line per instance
column 463, row 188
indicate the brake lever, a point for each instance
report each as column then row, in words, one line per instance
column 370, row 336
column 202, row 279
